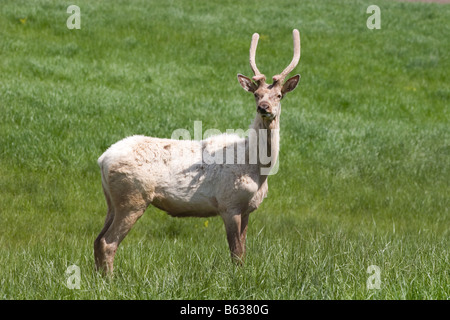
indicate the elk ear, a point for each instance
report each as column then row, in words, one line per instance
column 291, row 84
column 247, row 83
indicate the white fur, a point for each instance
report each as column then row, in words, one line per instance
column 179, row 177
column 175, row 179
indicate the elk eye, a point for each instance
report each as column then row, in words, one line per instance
column 256, row 95
column 279, row 96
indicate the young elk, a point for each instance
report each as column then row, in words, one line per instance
column 173, row 176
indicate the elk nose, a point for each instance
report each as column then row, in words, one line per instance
column 263, row 108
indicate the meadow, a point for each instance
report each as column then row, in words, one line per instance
column 364, row 159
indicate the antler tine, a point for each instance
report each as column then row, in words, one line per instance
column 258, row 76
column 296, row 37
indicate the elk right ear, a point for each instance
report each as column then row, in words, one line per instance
column 247, row 83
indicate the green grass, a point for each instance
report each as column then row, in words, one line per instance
column 364, row 160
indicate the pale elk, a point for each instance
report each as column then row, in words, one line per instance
column 138, row 171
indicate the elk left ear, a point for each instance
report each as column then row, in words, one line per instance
column 290, row 84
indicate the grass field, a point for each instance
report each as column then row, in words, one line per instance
column 364, row 159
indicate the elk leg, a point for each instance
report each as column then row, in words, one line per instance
column 243, row 235
column 233, row 230
column 108, row 243
column 108, row 220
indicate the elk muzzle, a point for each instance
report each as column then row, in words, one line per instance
column 264, row 109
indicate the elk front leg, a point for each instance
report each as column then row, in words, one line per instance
column 243, row 235
column 233, row 229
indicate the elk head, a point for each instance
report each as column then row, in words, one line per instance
column 268, row 96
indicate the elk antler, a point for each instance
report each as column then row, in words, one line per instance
column 258, row 75
column 280, row 77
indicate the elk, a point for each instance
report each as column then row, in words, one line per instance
column 138, row 171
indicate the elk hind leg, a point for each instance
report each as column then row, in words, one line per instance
column 98, row 252
column 127, row 206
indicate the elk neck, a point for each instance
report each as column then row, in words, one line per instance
column 268, row 132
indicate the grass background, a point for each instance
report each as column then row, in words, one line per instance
column 364, row 160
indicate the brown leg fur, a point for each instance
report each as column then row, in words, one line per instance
column 98, row 253
column 125, row 206
column 233, row 230
column 243, row 237
column 108, row 243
